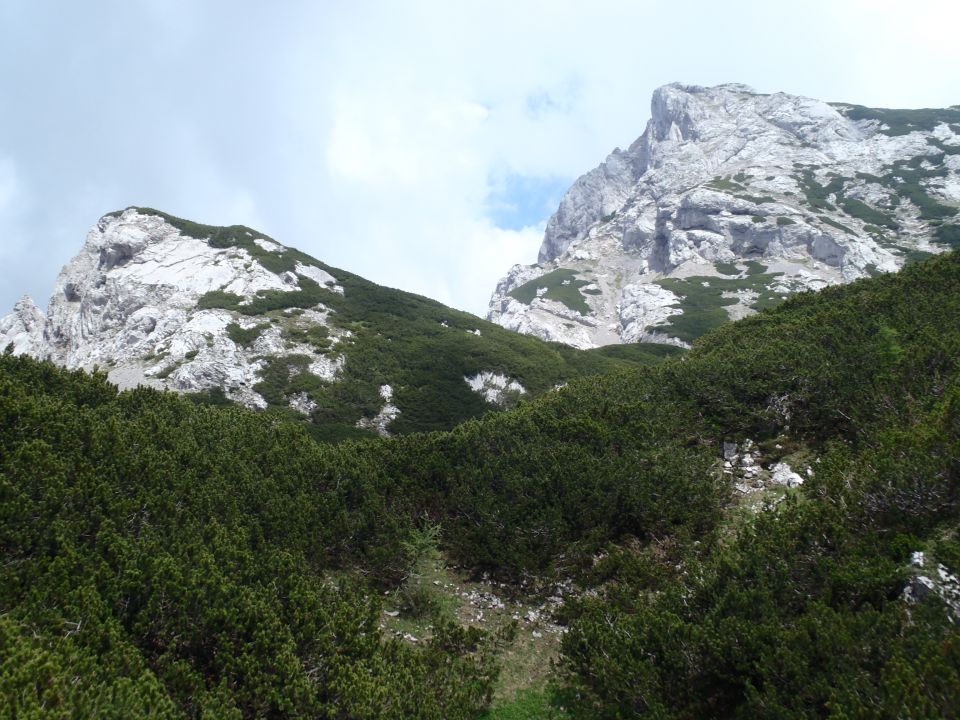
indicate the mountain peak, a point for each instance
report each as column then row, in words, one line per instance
column 816, row 193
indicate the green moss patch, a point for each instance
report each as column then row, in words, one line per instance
column 702, row 301
column 245, row 336
column 562, row 285
column 902, row 122
column 833, row 223
column 725, row 185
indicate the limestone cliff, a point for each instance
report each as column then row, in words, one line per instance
column 729, row 202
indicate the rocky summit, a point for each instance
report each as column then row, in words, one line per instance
column 729, row 202
column 139, row 301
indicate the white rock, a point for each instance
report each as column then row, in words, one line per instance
column 302, row 403
column 127, row 302
column 380, row 422
column 319, row 276
column 269, row 245
column 782, row 474
column 496, row 388
column 23, row 328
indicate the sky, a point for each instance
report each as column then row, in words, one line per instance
column 422, row 144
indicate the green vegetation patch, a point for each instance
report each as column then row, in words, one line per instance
column 727, row 268
column 862, row 211
column 912, row 255
column 530, row 704
column 943, row 147
column 906, row 177
column 309, row 295
column 833, row 223
column 562, row 285
column 903, row 122
column 948, row 235
column 311, row 334
column 639, row 353
column 726, row 185
column 783, row 220
column 757, row 268
column 245, row 336
column 702, row 301
column 217, row 299
column 817, row 194
column 285, row 376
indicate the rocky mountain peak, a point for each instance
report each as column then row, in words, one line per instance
column 147, row 298
column 766, row 194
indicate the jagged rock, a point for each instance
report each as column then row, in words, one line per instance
column 945, row 585
column 726, row 175
column 496, row 388
column 918, row 589
column 380, row 423
column 128, row 303
column 22, row 330
column 782, row 474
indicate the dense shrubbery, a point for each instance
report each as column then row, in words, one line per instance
column 799, row 615
column 156, row 548
column 167, row 558
column 161, row 555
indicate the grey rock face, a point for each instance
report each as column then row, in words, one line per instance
column 22, row 329
column 769, row 194
column 128, row 304
column 943, row 585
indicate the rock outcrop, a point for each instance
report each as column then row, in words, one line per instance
column 152, row 305
column 729, row 202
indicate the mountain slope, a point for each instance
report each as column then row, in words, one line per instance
column 729, row 202
column 231, row 313
column 162, row 555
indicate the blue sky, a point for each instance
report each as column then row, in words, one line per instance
column 518, row 201
column 422, row 144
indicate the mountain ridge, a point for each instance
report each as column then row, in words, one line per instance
column 176, row 558
column 818, row 193
column 231, row 314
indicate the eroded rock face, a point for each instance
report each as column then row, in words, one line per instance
column 130, row 303
column 769, row 194
column 22, row 330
